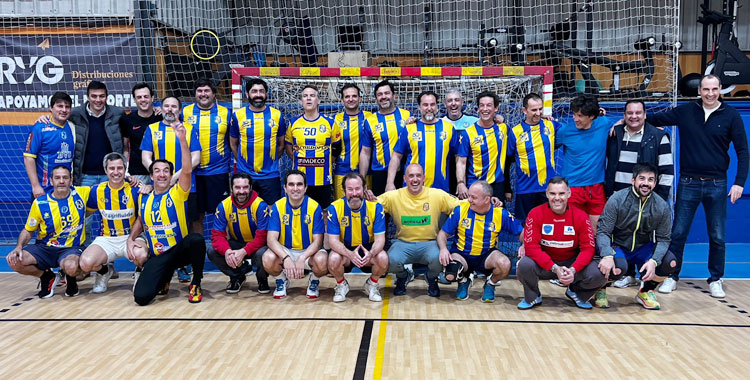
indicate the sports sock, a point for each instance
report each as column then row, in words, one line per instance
column 649, row 285
column 373, row 279
column 342, row 281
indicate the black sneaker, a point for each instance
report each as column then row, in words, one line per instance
column 235, row 284
column 400, row 288
column 263, row 287
column 433, row 290
column 47, row 283
column 72, row 289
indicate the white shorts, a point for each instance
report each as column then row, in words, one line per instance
column 114, row 247
column 296, row 253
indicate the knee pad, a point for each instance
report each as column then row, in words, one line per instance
column 455, row 270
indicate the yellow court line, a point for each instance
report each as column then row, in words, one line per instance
column 378, row 370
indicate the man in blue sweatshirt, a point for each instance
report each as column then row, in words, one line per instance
column 706, row 129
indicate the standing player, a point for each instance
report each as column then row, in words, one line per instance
column 454, row 110
column 134, row 125
column 475, row 225
column 356, row 235
column 484, row 146
column 49, row 144
column 116, row 200
column 380, row 136
column 429, row 142
column 58, row 216
column 351, row 124
column 256, row 136
column 310, row 141
column 163, row 215
column 210, row 120
column 243, row 217
column 532, row 143
column 295, row 238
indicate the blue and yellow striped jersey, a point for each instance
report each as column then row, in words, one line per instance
column 311, row 141
column 241, row 223
column 161, row 140
column 485, row 150
column 351, row 129
column 164, row 218
column 258, row 134
column 381, row 134
column 50, row 145
column 59, row 221
column 296, row 226
column 117, row 207
column 428, row 145
column 476, row 234
column 355, row 227
column 212, row 125
column 534, row 148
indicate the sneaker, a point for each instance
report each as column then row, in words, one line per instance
column 557, row 282
column 235, row 284
column 72, row 289
column 668, row 286
column 102, row 280
column 263, row 287
column 648, row 300
column 313, row 288
column 600, row 299
column 47, row 283
column 373, row 293
column 136, row 276
column 280, row 291
column 523, row 305
column 717, row 289
column 400, row 288
column 625, row 282
column 462, row 292
column 340, row 291
column 488, row 293
column 581, row 304
column 433, row 290
column 61, row 281
column 195, row 295
column 163, row 290
column 183, row 275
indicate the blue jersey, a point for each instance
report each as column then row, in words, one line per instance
column 476, row 234
column 296, row 226
column 258, row 134
column 59, row 222
column 355, row 227
column 534, row 149
column 50, row 145
column 584, row 152
column 428, row 145
column 485, row 150
column 211, row 125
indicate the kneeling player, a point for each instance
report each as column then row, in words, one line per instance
column 356, row 234
column 475, row 225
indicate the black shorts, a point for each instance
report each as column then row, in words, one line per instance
column 380, row 179
column 50, row 257
column 211, row 190
column 526, row 202
column 477, row 264
column 192, row 207
column 268, row 190
column 322, row 194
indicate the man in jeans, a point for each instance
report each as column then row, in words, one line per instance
column 706, row 129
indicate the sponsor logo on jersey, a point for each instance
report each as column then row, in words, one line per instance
column 412, row 221
column 569, row 230
column 548, row 229
column 557, row 244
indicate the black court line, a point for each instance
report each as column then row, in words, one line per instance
column 424, row 320
column 723, row 301
column 364, row 350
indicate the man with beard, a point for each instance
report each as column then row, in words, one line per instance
column 210, row 120
column 58, row 217
column 243, row 218
column 380, row 135
column 356, row 235
column 429, row 142
column 635, row 229
column 134, row 125
column 351, row 124
column 483, row 146
column 256, row 136
column 163, row 215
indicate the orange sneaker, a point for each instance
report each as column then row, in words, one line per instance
column 195, row 294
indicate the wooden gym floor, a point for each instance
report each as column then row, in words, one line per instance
column 253, row 336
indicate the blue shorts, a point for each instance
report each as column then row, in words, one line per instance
column 637, row 257
column 50, row 257
column 476, row 263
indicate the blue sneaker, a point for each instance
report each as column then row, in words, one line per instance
column 523, row 305
column 433, row 290
column 488, row 294
column 280, row 291
column 574, row 297
column 183, row 274
column 462, row 292
column 400, row 288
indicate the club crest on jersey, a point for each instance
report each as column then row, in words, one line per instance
column 308, row 219
column 569, row 230
column 426, row 207
column 526, row 136
column 125, row 198
column 64, row 209
column 379, row 128
column 32, row 222
column 443, row 135
column 158, row 135
column 492, row 227
column 246, row 124
column 46, row 215
column 416, row 136
column 367, row 220
column 342, row 125
column 63, row 135
column 285, row 219
column 103, row 200
column 79, row 204
column 217, row 120
column 548, row 229
column 479, row 140
column 191, row 119
column 233, row 217
column 169, row 202
column 501, row 135
column 547, row 130
column 271, row 123
column 322, row 128
column 466, row 223
column 345, row 221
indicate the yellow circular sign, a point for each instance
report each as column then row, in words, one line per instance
column 218, row 44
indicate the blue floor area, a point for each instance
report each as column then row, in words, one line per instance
column 694, row 265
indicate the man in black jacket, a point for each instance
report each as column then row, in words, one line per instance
column 706, row 128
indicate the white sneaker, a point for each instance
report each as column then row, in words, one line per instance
column 668, row 286
column 717, row 289
column 102, row 280
column 313, row 288
column 340, row 291
column 625, row 282
column 373, row 293
column 280, row 291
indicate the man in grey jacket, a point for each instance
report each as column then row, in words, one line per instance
column 635, row 228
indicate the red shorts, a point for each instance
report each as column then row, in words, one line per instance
column 590, row 199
